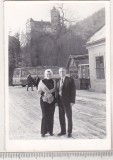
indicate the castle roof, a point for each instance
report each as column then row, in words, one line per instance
column 43, row 23
column 40, row 23
column 55, row 10
column 31, row 20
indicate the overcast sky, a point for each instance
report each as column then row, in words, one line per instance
column 16, row 13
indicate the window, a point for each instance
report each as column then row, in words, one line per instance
column 74, row 73
column 100, row 67
column 24, row 73
column 85, row 71
column 16, row 73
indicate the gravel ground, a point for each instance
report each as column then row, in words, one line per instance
column 89, row 115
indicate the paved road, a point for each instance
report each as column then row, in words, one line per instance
column 25, row 116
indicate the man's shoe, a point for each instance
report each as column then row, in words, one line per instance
column 69, row 135
column 61, row 133
column 43, row 135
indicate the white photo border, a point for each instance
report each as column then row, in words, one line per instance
column 63, row 145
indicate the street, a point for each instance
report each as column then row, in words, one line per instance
column 89, row 115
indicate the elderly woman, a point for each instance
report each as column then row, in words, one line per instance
column 46, row 89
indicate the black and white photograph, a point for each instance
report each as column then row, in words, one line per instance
column 57, row 74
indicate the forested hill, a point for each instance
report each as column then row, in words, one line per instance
column 46, row 49
column 70, row 41
column 87, row 27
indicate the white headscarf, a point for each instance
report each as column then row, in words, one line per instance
column 46, row 71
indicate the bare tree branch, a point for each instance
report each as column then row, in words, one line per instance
column 63, row 17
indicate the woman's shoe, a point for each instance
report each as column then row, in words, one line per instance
column 51, row 134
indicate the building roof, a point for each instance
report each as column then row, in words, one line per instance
column 43, row 23
column 97, row 37
column 31, row 20
column 55, row 10
column 76, row 57
column 39, row 22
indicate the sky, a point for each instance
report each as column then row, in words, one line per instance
column 17, row 13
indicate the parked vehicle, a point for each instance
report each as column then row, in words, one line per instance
column 20, row 74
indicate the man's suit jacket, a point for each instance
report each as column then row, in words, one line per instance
column 68, row 90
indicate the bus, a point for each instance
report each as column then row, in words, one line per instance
column 20, row 74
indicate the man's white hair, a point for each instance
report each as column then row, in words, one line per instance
column 62, row 68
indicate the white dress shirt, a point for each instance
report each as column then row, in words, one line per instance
column 62, row 81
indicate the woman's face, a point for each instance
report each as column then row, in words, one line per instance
column 48, row 75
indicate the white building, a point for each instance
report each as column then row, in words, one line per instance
column 97, row 62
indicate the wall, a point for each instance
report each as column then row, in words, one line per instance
column 94, row 51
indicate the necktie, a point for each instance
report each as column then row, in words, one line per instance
column 61, row 85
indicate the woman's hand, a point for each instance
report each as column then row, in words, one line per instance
column 50, row 91
column 45, row 99
column 45, row 94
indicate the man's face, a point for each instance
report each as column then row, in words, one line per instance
column 62, row 72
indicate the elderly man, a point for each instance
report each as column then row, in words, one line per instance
column 66, row 99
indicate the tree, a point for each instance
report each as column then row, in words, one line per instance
column 47, row 48
column 64, row 37
column 70, row 44
column 14, row 56
column 87, row 27
column 65, row 20
column 43, row 49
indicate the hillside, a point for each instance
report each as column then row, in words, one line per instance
column 58, row 47
column 87, row 27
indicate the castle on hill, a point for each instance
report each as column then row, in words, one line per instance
column 32, row 26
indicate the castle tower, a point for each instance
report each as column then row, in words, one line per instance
column 29, row 29
column 29, row 25
column 55, row 19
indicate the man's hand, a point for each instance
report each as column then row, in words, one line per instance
column 71, row 104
